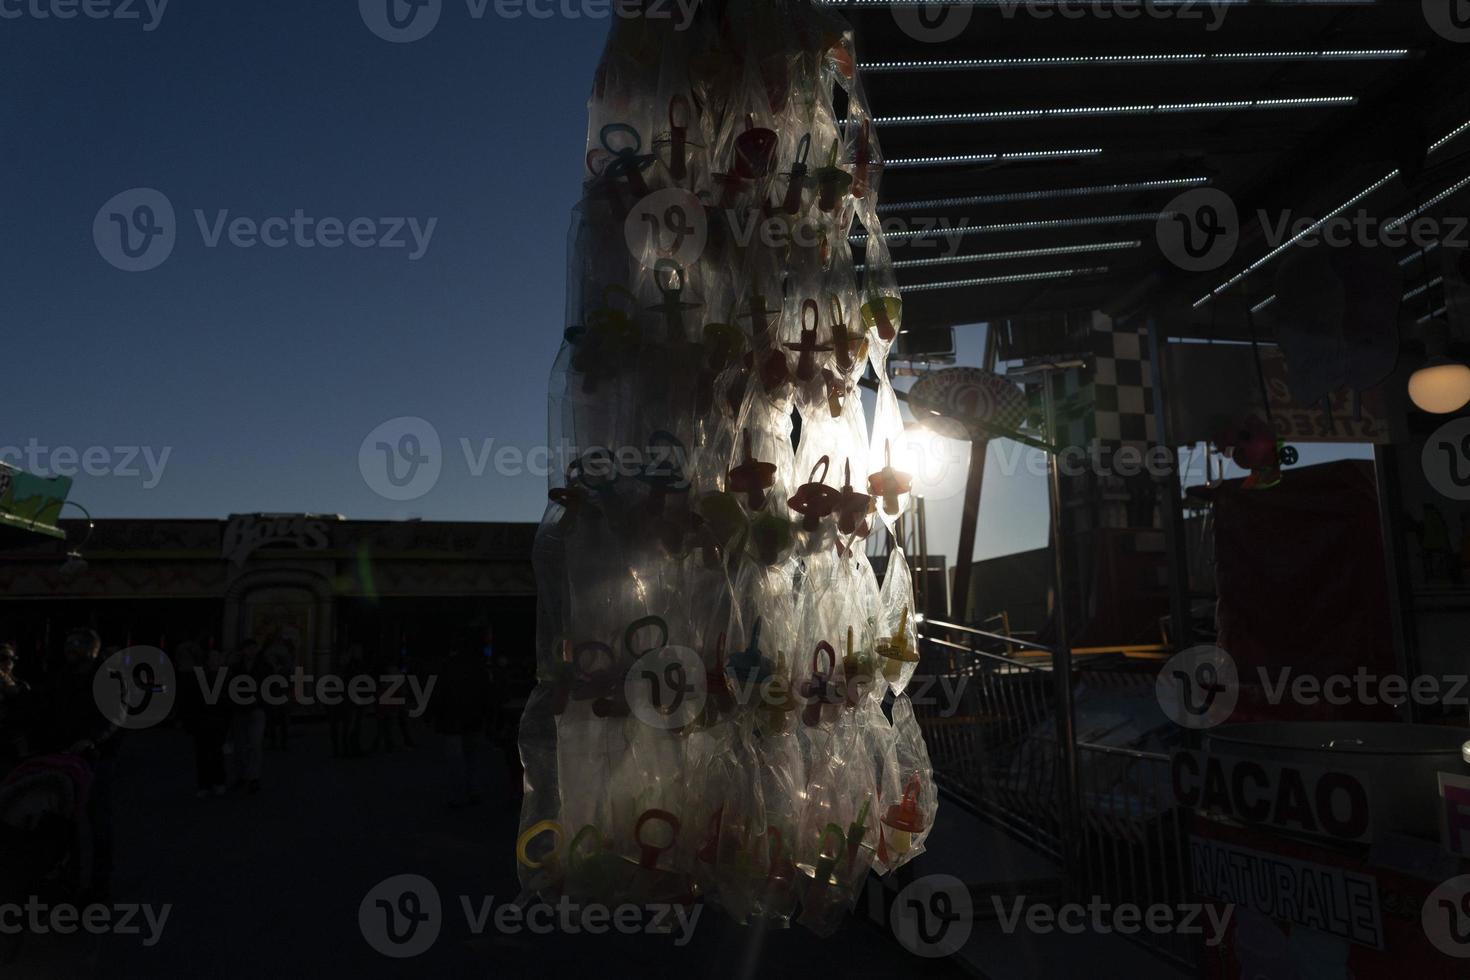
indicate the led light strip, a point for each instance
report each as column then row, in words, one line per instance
column 964, row 158
column 1412, row 256
column 1439, row 143
column 1447, row 192
column 1046, row 195
column 1263, row 260
column 1423, row 288
column 1049, row 61
column 1411, row 294
column 1149, row 109
column 966, row 230
column 1020, row 253
column 1005, row 280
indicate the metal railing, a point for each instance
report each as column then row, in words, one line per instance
column 996, row 751
column 978, row 750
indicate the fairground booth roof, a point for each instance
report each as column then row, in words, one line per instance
column 1054, row 135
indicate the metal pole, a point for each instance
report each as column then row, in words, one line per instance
column 964, row 559
column 1390, row 522
column 922, row 530
column 1061, row 648
column 1173, row 508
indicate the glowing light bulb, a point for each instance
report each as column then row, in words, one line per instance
column 1441, row 386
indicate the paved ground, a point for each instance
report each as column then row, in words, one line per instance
column 269, row 886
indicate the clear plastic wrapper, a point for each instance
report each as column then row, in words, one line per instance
column 714, row 652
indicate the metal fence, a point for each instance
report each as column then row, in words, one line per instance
column 996, row 750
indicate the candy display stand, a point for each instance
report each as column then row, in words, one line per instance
column 720, row 714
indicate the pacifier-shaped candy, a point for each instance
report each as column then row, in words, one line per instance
column 819, row 689
column 719, row 698
column 591, row 866
column 830, row 850
column 903, row 821
column 832, row 182
column 609, row 336
column 806, row 364
column 862, row 160
column 771, row 537
column 669, row 277
column 649, row 851
column 889, row 483
column 840, row 55
column 814, row 500
column 595, row 674
column 755, row 150
column 774, row 369
column 752, row 478
column 853, row 507
column 882, row 313
column 726, row 525
column 750, row 666
column 664, row 472
column 850, row 349
column 571, row 499
column 896, row 651
column 759, row 315
column 778, row 701
column 837, row 391
column 551, row 863
column 595, row 471
column 677, row 138
column 626, row 162
column 611, row 695
column 658, row 623
column 857, row 674
column 780, row 868
column 796, row 179
column 614, row 321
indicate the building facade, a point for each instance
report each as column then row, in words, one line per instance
column 323, row 583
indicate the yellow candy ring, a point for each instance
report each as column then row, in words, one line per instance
column 530, row 834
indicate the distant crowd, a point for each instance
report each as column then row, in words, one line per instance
column 52, row 726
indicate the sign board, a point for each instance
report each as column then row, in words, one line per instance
column 247, row 533
column 1298, row 799
column 1333, row 900
column 980, row 402
column 32, row 502
column 1214, row 387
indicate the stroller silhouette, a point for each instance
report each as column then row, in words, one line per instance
column 45, row 839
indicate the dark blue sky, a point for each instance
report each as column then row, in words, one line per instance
column 263, row 369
